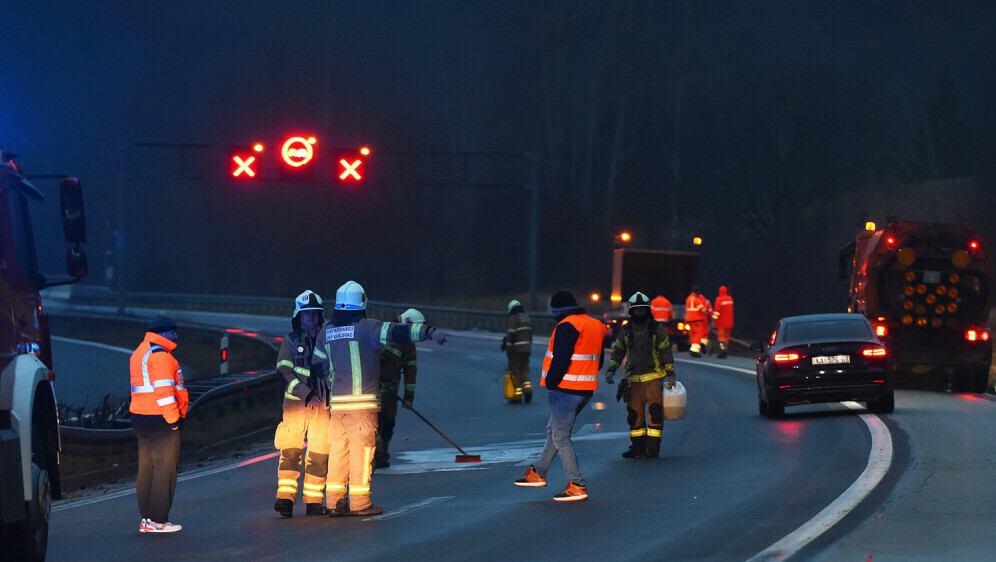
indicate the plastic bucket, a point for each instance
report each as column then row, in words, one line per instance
column 675, row 402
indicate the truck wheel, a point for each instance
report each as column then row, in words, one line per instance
column 28, row 539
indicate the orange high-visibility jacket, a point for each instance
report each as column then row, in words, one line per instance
column 696, row 309
column 582, row 373
column 156, row 380
column 661, row 309
column 722, row 316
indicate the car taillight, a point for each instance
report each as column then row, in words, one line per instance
column 873, row 352
column 786, row 357
column 881, row 330
column 973, row 334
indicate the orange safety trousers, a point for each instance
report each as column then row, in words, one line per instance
column 301, row 422
column 352, row 443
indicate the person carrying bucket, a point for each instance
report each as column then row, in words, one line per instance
column 650, row 363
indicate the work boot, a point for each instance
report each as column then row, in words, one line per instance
column 572, row 493
column 527, row 392
column 653, row 447
column 532, row 479
column 372, row 510
column 284, row 507
column 314, row 509
column 722, row 351
column 637, row 448
column 341, row 508
column 693, row 351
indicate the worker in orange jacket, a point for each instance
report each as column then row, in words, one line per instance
column 661, row 309
column 158, row 405
column 722, row 317
column 697, row 318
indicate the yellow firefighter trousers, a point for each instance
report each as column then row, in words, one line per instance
column 300, row 422
column 352, row 442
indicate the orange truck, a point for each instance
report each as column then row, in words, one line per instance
column 925, row 288
column 29, row 419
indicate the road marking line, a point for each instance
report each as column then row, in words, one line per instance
column 879, row 461
column 69, row 504
column 93, row 344
column 408, row 508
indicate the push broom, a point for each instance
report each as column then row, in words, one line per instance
column 463, row 456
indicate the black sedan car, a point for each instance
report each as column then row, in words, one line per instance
column 823, row 358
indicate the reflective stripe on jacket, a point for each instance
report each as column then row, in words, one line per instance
column 723, row 314
column 661, row 309
column 582, row 372
column 294, row 365
column 696, row 309
column 519, row 333
column 349, row 357
column 157, row 387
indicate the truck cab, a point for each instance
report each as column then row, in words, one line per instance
column 29, row 422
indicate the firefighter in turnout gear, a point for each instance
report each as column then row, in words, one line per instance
column 697, row 317
column 305, row 414
column 396, row 362
column 649, row 362
column 517, row 344
column 348, row 355
column 722, row 317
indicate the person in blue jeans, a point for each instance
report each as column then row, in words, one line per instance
column 570, row 374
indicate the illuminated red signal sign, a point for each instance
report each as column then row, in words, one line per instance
column 298, row 151
column 349, row 164
column 244, row 162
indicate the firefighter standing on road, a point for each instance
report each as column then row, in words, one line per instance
column 697, row 318
column 396, row 362
column 649, row 361
column 159, row 402
column 722, row 317
column 517, row 344
column 348, row 354
column 304, row 412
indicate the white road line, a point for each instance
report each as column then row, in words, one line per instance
column 69, row 504
column 93, row 344
column 408, row 508
column 879, row 461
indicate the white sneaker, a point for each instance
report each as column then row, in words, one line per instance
column 150, row 526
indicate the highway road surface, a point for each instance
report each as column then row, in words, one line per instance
column 829, row 482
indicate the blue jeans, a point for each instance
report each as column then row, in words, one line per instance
column 564, row 409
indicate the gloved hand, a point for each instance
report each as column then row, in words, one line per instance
column 175, row 426
column 438, row 336
column 408, row 401
column 313, row 399
column 670, row 380
column 622, row 393
column 610, row 377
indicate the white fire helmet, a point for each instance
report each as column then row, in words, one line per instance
column 350, row 296
column 308, row 300
column 411, row 316
column 638, row 299
column 512, row 304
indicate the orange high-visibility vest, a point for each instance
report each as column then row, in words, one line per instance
column 157, row 387
column 695, row 309
column 722, row 316
column 661, row 309
column 582, row 373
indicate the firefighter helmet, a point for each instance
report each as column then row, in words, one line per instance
column 512, row 304
column 411, row 316
column 350, row 296
column 308, row 300
column 638, row 299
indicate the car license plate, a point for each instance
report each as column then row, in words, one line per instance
column 831, row 359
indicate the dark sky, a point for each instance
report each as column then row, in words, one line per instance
column 82, row 79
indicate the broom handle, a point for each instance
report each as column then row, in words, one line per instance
column 414, row 411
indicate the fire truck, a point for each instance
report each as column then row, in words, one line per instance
column 925, row 288
column 29, row 421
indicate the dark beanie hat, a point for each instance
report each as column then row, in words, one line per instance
column 161, row 324
column 562, row 300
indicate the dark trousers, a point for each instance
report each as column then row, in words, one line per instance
column 158, row 452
